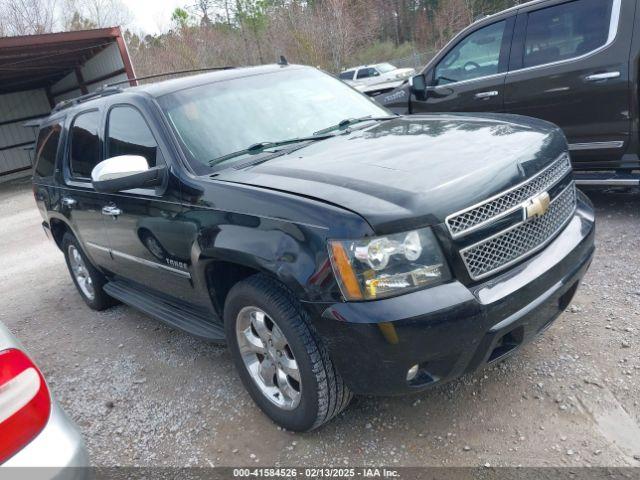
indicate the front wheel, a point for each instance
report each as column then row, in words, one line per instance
column 280, row 358
column 88, row 280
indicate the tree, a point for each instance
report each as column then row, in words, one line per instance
column 27, row 17
column 252, row 14
column 78, row 22
column 100, row 13
column 181, row 18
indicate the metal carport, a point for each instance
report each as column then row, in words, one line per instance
column 38, row 71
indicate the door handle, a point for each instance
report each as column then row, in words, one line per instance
column 483, row 95
column 69, row 202
column 111, row 211
column 597, row 77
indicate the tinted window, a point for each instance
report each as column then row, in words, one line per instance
column 46, row 149
column 566, row 31
column 477, row 55
column 129, row 134
column 85, row 144
column 346, row 75
column 367, row 73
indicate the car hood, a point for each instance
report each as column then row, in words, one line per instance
column 412, row 171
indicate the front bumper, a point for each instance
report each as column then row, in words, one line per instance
column 451, row 329
column 58, row 452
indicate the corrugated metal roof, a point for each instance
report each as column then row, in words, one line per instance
column 39, row 61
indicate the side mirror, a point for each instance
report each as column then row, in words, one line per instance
column 419, row 86
column 126, row 172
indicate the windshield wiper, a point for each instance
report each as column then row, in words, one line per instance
column 262, row 146
column 348, row 122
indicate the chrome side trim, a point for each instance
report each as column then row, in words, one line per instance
column 614, row 27
column 148, row 263
column 578, row 147
column 513, row 227
column 613, row 182
column 141, row 261
column 97, row 247
column 497, row 196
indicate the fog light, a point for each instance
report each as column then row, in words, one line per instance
column 411, row 374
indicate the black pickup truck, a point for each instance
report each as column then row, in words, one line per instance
column 334, row 247
column 575, row 63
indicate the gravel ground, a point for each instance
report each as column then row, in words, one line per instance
column 144, row 394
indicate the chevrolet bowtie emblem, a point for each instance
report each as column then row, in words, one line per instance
column 537, row 206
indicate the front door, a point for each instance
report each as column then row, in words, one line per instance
column 148, row 238
column 470, row 76
column 569, row 65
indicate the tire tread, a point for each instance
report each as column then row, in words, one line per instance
column 333, row 395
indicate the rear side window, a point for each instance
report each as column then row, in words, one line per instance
column 46, row 150
column 85, row 144
column 346, row 75
column 566, row 31
column 129, row 134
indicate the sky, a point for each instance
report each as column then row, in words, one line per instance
column 152, row 16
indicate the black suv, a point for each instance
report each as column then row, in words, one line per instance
column 336, row 248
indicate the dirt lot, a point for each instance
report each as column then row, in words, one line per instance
column 144, row 394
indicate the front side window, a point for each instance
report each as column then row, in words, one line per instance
column 129, row 134
column 84, row 151
column 46, row 150
column 477, row 55
column 566, row 31
column 223, row 117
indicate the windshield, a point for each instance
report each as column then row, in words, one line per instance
column 217, row 119
column 386, row 68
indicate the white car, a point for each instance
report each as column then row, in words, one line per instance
column 374, row 74
column 34, row 431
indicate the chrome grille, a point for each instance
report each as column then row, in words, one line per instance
column 508, row 247
column 476, row 216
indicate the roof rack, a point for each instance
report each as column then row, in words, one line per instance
column 166, row 74
column 112, row 88
column 100, row 92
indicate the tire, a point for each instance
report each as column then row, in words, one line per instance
column 95, row 297
column 322, row 392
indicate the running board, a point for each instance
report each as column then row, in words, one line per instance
column 183, row 316
column 607, row 179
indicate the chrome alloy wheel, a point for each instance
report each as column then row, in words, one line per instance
column 81, row 273
column 268, row 358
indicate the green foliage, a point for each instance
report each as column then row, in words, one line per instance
column 181, row 18
column 380, row 51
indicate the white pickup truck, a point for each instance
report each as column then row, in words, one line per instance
column 367, row 77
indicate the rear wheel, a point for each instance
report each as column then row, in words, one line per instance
column 88, row 280
column 280, row 358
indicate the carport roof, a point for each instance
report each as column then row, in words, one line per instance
column 37, row 61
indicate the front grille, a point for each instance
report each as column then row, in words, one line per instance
column 510, row 246
column 478, row 215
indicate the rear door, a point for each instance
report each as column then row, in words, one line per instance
column 569, row 65
column 470, row 75
column 79, row 202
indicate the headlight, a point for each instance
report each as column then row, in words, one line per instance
column 382, row 267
